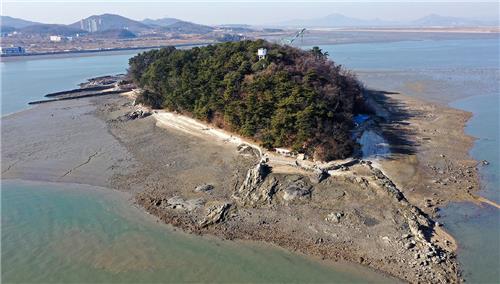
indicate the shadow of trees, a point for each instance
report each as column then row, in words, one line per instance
column 392, row 120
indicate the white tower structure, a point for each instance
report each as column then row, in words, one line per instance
column 262, row 52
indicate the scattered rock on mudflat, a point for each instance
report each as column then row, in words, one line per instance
column 410, row 245
column 178, row 202
column 334, row 217
column 136, row 114
column 204, row 188
column 215, row 214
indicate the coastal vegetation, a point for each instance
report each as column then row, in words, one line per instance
column 291, row 98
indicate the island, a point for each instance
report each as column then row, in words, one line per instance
column 257, row 141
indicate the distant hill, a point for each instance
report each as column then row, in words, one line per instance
column 442, row 21
column 335, row 20
column 114, row 34
column 15, row 22
column 105, row 22
column 7, row 29
column 182, row 27
column 339, row 20
column 177, row 26
column 116, row 24
column 163, row 22
column 49, row 29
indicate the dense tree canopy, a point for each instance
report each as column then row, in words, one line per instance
column 292, row 98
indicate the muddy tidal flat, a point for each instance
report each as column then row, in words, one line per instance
column 370, row 211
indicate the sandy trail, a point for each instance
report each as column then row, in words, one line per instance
column 194, row 127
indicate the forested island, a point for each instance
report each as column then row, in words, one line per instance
column 290, row 98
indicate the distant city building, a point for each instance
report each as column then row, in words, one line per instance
column 12, row 50
column 55, row 38
column 262, row 52
column 90, row 25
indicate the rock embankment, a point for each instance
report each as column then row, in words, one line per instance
column 95, row 87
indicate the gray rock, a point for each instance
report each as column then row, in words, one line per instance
column 296, row 190
column 136, row 114
column 178, row 202
column 410, row 245
column 215, row 214
column 319, row 175
column 255, row 188
column 247, row 150
column 334, row 217
column 204, row 188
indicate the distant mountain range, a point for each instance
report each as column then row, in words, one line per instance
column 339, row 20
column 6, row 21
column 160, row 22
column 99, row 25
column 116, row 26
column 177, row 26
column 104, row 22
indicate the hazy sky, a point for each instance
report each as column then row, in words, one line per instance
column 248, row 12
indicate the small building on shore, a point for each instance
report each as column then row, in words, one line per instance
column 284, row 152
column 55, row 38
column 13, row 50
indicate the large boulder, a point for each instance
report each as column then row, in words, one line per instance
column 294, row 192
column 215, row 213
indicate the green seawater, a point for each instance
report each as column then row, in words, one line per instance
column 67, row 233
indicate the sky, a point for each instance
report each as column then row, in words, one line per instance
column 257, row 12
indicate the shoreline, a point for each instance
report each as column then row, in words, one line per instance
column 461, row 30
column 72, row 53
column 114, row 111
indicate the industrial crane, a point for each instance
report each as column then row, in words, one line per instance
column 290, row 41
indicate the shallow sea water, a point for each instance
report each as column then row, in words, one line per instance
column 68, row 233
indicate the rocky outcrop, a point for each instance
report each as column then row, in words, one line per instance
column 136, row 114
column 420, row 226
column 296, row 189
column 247, row 150
column 215, row 214
column 255, row 189
column 319, row 175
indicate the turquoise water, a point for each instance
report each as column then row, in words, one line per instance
column 466, row 74
column 478, row 228
column 438, row 70
column 67, row 233
column 413, row 55
column 25, row 80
